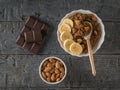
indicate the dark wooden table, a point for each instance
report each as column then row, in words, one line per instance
column 19, row 68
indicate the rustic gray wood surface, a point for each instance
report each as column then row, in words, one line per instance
column 19, row 68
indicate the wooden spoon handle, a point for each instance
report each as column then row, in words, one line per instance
column 91, row 57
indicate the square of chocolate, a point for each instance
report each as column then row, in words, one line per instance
column 24, row 29
column 29, row 36
column 30, row 22
column 20, row 40
column 37, row 26
column 37, row 35
column 46, row 28
column 27, row 46
column 35, row 48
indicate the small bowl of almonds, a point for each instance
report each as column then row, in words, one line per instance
column 73, row 28
column 52, row 70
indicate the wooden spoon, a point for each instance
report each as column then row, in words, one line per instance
column 90, row 52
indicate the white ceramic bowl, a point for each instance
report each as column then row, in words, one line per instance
column 41, row 67
column 101, row 40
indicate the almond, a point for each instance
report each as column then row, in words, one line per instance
column 43, row 75
column 58, row 79
column 47, row 69
column 48, row 79
column 57, row 64
column 52, row 60
column 57, row 71
column 53, row 77
column 61, row 75
column 49, row 64
column 48, row 74
column 61, row 69
column 58, row 75
column 52, row 71
column 61, row 63
column 45, row 63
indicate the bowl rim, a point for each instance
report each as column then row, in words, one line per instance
column 40, row 66
column 101, row 39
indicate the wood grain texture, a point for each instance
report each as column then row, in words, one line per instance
column 22, row 71
column 17, row 10
column 57, row 88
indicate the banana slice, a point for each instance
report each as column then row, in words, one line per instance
column 65, row 35
column 76, row 49
column 64, row 27
column 68, row 21
column 67, row 44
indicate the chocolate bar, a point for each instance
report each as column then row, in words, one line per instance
column 33, row 35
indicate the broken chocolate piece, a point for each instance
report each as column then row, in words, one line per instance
column 37, row 26
column 46, row 29
column 33, row 35
column 30, row 22
column 35, row 48
column 38, row 35
column 24, row 29
column 20, row 41
column 27, row 46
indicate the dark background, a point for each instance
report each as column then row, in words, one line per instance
column 19, row 68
